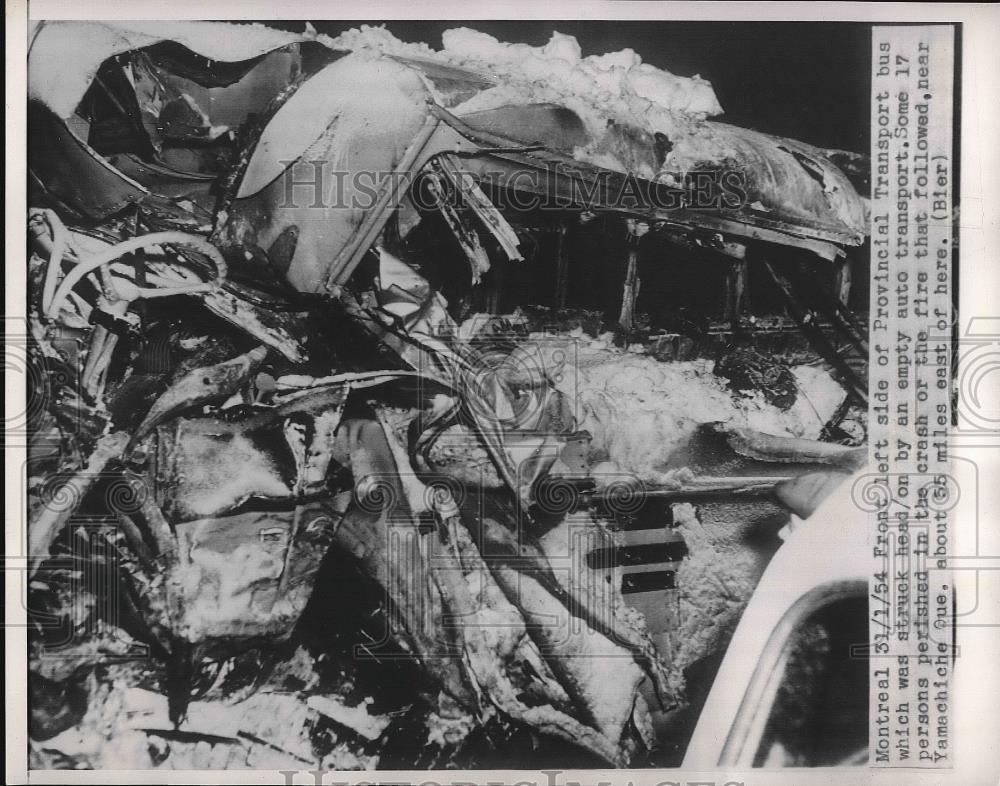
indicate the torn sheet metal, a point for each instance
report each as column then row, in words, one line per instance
column 65, row 56
column 466, row 236
column 793, row 194
column 652, row 124
column 70, row 173
column 491, row 218
column 788, row 183
column 346, row 129
column 183, row 102
column 261, row 464
column 791, row 189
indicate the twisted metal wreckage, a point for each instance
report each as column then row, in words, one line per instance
column 247, row 376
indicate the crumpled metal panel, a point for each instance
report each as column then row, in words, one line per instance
column 67, row 170
column 321, row 162
column 788, row 184
column 253, row 505
column 786, row 181
column 551, row 125
column 64, row 56
column 349, row 128
column 452, row 84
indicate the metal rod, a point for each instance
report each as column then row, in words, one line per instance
column 562, row 265
column 630, row 290
column 855, row 388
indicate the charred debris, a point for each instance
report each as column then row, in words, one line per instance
column 356, row 472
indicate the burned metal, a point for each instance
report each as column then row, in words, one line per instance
column 281, row 380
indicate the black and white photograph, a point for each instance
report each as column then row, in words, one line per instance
column 482, row 394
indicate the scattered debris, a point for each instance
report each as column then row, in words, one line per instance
column 358, row 718
column 247, row 400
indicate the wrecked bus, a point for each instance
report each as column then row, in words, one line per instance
column 350, row 322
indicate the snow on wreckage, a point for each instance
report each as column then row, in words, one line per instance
column 261, row 403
